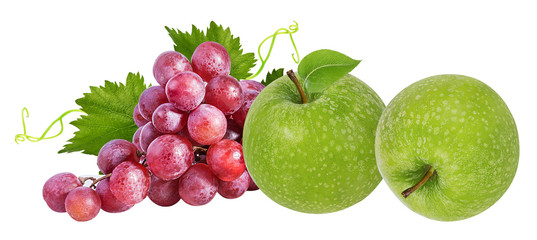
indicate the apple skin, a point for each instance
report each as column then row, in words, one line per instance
column 316, row 157
column 463, row 129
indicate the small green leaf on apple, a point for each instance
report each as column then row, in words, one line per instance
column 321, row 68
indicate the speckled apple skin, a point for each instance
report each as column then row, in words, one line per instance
column 316, row 157
column 463, row 129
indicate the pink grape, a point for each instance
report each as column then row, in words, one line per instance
column 150, row 99
column 240, row 115
column 235, row 188
column 251, row 85
column 168, row 64
column 164, row 193
column 56, row 189
column 184, row 132
column 201, row 158
column 130, row 182
column 169, row 156
column 82, row 204
column 109, row 202
column 185, row 91
column 207, row 124
column 147, row 135
column 252, row 186
column 139, row 120
column 225, row 93
column 115, row 152
column 136, row 138
column 233, row 131
column 168, row 119
column 210, row 59
column 198, row 185
column 226, row 160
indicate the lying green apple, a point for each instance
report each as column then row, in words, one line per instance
column 448, row 147
column 314, row 157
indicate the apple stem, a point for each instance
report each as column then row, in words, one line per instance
column 292, row 76
column 430, row 172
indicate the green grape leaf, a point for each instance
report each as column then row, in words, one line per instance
column 321, row 68
column 108, row 116
column 271, row 76
column 186, row 43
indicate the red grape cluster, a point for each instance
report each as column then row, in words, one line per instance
column 187, row 146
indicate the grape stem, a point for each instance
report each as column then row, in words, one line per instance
column 410, row 190
column 94, row 180
column 84, row 179
column 293, row 77
column 202, row 149
column 140, row 153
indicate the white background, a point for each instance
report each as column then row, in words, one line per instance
column 51, row 52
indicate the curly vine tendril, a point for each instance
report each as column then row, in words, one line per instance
column 23, row 136
column 292, row 29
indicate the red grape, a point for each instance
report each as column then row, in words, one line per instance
column 198, row 185
column 168, row 64
column 139, row 120
column 147, row 135
column 252, row 186
column 56, row 189
column 184, row 132
column 150, row 99
column 115, row 152
column 130, row 182
column 169, row 156
column 226, row 160
column 235, row 188
column 210, row 59
column 240, row 115
column 207, row 124
column 109, row 202
column 185, row 91
column 251, row 85
column 168, row 119
column 233, row 131
column 82, row 204
column 201, row 158
column 164, row 193
column 136, row 138
column 225, row 93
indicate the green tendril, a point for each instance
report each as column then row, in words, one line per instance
column 24, row 136
column 292, row 29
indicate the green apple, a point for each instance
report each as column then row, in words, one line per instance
column 314, row 157
column 448, row 147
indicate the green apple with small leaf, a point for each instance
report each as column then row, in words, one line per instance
column 309, row 139
column 448, row 147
